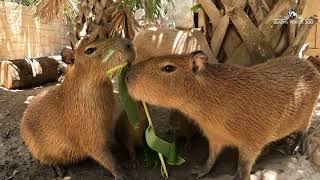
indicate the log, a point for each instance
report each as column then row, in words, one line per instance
column 24, row 73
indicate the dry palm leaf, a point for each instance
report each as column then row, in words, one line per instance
column 300, row 38
column 123, row 21
column 254, row 40
column 232, row 41
column 271, row 30
column 258, row 10
column 213, row 12
column 219, row 35
column 49, row 10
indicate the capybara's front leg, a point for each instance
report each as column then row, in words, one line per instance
column 300, row 144
column 105, row 158
column 214, row 150
column 58, row 171
column 132, row 154
column 246, row 160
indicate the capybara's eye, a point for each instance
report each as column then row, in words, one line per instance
column 90, row 50
column 168, row 68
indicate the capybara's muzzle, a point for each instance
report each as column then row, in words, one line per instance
column 129, row 49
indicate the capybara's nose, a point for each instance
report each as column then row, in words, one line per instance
column 127, row 78
column 129, row 48
column 129, row 45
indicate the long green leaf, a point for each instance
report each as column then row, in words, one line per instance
column 129, row 105
column 109, row 54
column 163, row 147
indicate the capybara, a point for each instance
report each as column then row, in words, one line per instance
column 67, row 55
column 315, row 60
column 130, row 136
column 183, row 127
column 234, row 106
column 154, row 42
column 72, row 121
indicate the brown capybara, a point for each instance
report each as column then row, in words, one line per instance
column 130, row 136
column 183, row 126
column 72, row 121
column 152, row 42
column 67, row 55
column 315, row 60
column 234, row 106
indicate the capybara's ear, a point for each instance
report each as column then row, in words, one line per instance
column 67, row 55
column 199, row 61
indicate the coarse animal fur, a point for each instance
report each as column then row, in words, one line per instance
column 67, row 123
column 67, row 55
column 153, row 42
column 130, row 136
column 183, row 127
column 234, row 106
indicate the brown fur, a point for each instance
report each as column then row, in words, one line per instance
column 234, row 106
column 66, row 123
column 315, row 60
column 129, row 136
column 183, row 126
column 153, row 42
column 67, row 55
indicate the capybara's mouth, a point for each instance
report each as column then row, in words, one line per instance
column 131, row 53
column 116, row 70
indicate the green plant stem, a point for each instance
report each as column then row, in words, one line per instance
column 163, row 165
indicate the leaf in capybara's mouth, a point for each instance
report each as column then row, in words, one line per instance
column 130, row 106
column 132, row 109
column 117, row 69
column 108, row 56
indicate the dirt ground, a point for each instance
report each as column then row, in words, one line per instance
column 16, row 162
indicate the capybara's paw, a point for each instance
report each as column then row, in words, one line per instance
column 132, row 164
column 300, row 145
column 59, row 171
column 187, row 145
column 200, row 172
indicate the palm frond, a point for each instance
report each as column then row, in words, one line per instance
column 49, row 10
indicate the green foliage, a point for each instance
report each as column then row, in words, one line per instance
column 163, row 147
column 196, row 8
column 151, row 157
column 23, row 2
column 152, row 7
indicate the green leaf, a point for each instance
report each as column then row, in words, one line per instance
column 153, row 8
column 119, row 68
column 151, row 157
column 129, row 105
column 163, row 147
column 109, row 54
column 196, row 8
column 155, row 143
